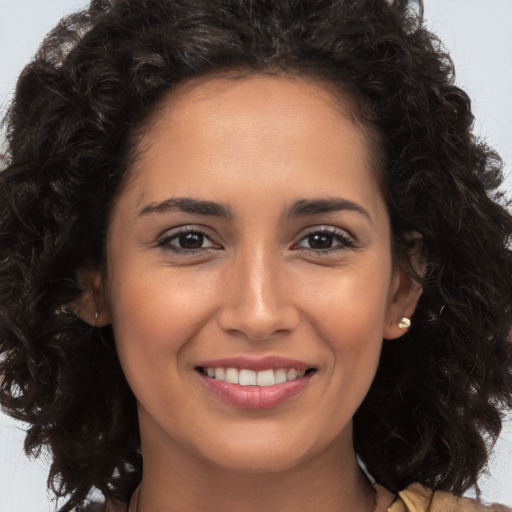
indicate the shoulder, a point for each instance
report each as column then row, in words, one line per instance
column 417, row 498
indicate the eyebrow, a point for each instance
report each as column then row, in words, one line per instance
column 300, row 208
column 305, row 207
column 187, row 205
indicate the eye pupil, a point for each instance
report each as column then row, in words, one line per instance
column 191, row 240
column 320, row 241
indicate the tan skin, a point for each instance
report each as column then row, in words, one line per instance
column 267, row 279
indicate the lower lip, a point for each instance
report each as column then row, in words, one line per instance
column 255, row 397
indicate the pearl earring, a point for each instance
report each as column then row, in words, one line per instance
column 404, row 323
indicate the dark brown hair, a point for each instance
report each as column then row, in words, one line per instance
column 435, row 405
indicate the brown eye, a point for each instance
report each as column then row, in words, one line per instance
column 186, row 240
column 320, row 241
column 326, row 239
column 190, row 240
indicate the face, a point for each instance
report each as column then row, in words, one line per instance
column 250, row 275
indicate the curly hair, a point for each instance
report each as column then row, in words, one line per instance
column 434, row 408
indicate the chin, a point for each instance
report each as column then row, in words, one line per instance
column 259, row 463
column 257, row 455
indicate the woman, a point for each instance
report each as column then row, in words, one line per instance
column 244, row 243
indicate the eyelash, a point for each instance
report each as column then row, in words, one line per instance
column 344, row 241
column 165, row 241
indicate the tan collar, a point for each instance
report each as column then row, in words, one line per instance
column 384, row 498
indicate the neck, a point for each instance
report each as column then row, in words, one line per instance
column 177, row 480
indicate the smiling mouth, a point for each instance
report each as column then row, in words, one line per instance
column 246, row 377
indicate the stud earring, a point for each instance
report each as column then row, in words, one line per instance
column 96, row 315
column 404, row 323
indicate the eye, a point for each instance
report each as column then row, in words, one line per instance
column 186, row 240
column 326, row 239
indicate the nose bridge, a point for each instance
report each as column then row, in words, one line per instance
column 259, row 270
column 257, row 303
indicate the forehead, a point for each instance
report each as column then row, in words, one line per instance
column 275, row 92
column 293, row 101
column 250, row 129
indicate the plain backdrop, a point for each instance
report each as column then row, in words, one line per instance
column 478, row 34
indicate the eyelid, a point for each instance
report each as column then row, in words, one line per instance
column 172, row 233
column 348, row 239
column 345, row 239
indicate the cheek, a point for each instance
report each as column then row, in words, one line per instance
column 348, row 312
column 155, row 314
column 350, row 305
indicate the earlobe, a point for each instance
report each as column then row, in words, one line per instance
column 91, row 306
column 406, row 291
column 402, row 308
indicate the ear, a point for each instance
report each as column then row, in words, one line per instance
column 405, row 289
column 91, row 306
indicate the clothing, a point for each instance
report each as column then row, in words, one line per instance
column 415, row 498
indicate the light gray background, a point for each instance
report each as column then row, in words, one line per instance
column 478, row 34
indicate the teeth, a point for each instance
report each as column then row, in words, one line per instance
column 246, row 377
column 265, row 378
column 231, row 375
column 291, row 374
column 280, row 376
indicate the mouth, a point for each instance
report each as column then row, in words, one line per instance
column 248, row 377
column 249, row 383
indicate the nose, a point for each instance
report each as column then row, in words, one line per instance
column 258, row 301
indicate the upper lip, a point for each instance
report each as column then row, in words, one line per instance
column 256, row 363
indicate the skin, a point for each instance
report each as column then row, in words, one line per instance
column 256, row 284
